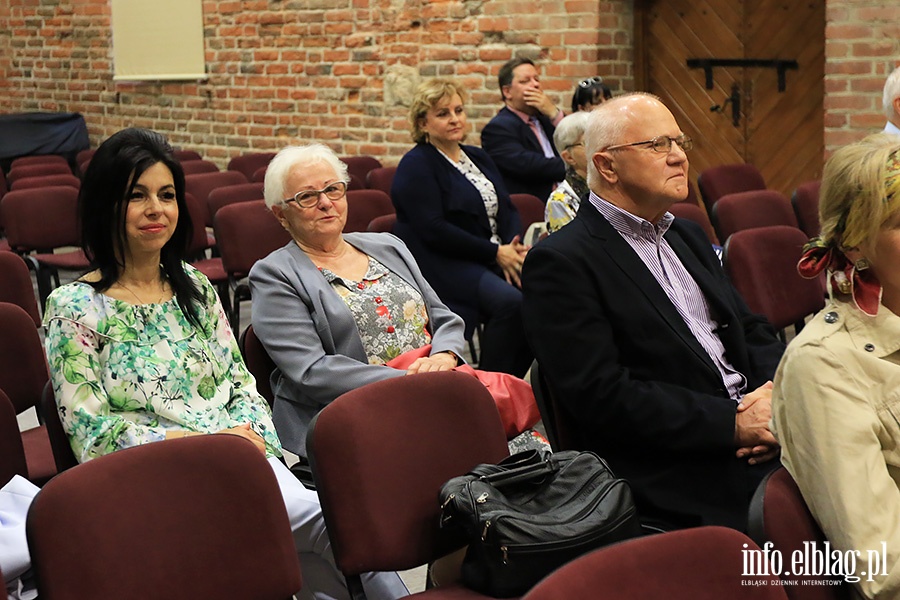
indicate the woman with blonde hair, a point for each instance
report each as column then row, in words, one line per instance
column 454, row 213
column 835, row 404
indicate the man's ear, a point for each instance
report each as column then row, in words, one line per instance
column 505, row 91
column 604, row 165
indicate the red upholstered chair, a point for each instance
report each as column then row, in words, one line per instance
column 259, row 175
column 38, row 221
column 704, row 563
column 746, row 210
column 184, row 156
column 259, row 363
column 762, row 265
column 692, row 212
column 381, row 179
column 27, row 183
column 201, row 184
column 224, row 196
column 16, row 287
column 805, row 201
column 85, row 155
column 23, row 375
column 249, row 163
column 778, row 514
column 211, row 267
column 192, row 167
column 12, row 454
column 530, row 207
column 383, row 224
column 715, row 182
column 41, row 159
column 378, row 467
column 198, row 517
column 36, row 171
column 365, row 205
column 356, row 183
column 557, row 422
column 359, row 166
column 245, row 232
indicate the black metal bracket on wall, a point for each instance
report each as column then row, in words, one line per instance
column 707, row 64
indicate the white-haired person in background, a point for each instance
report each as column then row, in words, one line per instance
column 564, row 201
column 890, row 102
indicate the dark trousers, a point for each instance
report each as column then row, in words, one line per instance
column 503, row 344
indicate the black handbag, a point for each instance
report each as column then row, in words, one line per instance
column 534, row 512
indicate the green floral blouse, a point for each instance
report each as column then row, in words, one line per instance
column 124, row 374
column 390, row 314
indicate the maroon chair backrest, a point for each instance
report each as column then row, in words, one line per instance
column 192, row 167
column 365, row 205
column 356, row 183
column 198, row 211
column 715, row 182
column 691, row 564
column 187, row 156
column 383, row 224
column 23, row 368
column 249, row 163
column 380, row 454
column 259, row 175
column 746, row 210
column 245, row 233
column 778, row 514
column 36, row 171
column 12, row 453
column 27, row 183
column 359, row 166
column 381, row 178
column 530, row 209
column 201, row 184
column 41, row 218
column 692, row 212
column 762, row 265
column 259, row 363
column 217, row 523
column 16, row 286
column 805, row 201
column 41, row 159
column 85, row 155
column 231, row 194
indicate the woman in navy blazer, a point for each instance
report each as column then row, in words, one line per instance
column 455, row 215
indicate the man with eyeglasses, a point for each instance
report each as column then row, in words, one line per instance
column 519, row 139
column 650, row 353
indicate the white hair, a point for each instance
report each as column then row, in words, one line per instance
column 607, row 122
column 891, row 92
column 292, row 156
column 570, row 130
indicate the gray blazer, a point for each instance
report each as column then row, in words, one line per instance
column 311, row 335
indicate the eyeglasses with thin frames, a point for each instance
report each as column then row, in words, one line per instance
column 661, row 143
column 310, row 198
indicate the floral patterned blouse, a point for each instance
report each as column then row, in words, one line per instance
column 484, row 186
column 389, row 313
column 125, row 374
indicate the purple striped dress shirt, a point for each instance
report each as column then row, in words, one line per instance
column 655, row 252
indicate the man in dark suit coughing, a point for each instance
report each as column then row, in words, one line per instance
column 519, row 139
column 645, row 344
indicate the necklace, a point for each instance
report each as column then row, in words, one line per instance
column 138, row 298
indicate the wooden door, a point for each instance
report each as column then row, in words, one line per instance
column 781, row 132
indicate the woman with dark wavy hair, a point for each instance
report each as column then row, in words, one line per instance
column 140, row 349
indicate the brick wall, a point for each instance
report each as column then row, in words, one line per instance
column 862, row 46
column 290, row 71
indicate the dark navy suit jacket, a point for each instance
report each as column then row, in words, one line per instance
column 442, row 218
column 516, row 151
column 625, row 367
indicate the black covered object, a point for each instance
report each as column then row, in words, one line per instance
column 25, row 134
column 532, row 513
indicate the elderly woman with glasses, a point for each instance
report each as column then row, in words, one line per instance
column 564, row 201
column 836, row 404
column 589, row 93
column 331, row 308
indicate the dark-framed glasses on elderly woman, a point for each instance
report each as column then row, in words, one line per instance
column 310, row 198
